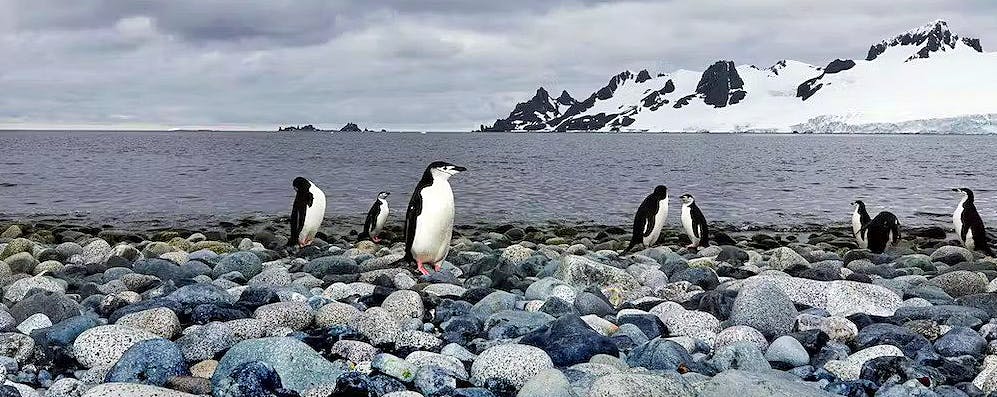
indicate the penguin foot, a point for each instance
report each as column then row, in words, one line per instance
column 422, row 269
column 437, row 266
column 375, row 239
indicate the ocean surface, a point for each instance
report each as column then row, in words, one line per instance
column 761, row 180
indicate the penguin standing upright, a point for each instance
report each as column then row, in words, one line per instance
column 694, row 222
column 860, row 218
column 429, row 217
column 649, row 219
column 307, row 212
column 376, row 218
column 881, row 232
column 969, row 225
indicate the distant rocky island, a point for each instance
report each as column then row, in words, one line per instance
column 349, row 127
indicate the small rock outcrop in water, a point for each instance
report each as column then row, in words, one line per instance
column 350, row 127
column 549, row 310
column 300, row 128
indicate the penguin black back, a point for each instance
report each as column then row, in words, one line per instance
column 700, row 225
column 644, row 218
column 882, row 231
column 302, row 200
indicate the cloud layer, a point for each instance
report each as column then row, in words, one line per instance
column 437, row 64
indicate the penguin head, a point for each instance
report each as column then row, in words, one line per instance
column 383, row 195
column 858, row 204
column 965, row 191
column 660, row 191
column 687, row 199
column 443, row 169
column 301, row 184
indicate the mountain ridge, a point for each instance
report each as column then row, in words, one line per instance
column 926, row 73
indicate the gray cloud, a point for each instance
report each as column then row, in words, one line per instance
column 446, row 64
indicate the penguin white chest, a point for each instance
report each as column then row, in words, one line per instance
column 434, row 225
column 957, row 222
column 860, row 237
column 313, row 216
column 659, row 222
column 382, row 217
column 687, row 223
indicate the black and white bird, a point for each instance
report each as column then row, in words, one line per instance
column 307, row 212
column 694, row 222
column 860, row 218
column 376, row 218
column 429, row 217
column 969, row 225
column 882, row 232
column 650, row 217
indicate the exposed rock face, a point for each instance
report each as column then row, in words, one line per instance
column 643, row 76
column 810, row 87
column 534, row 114
column 931, row 38
column 718, row 83
column 350, row 127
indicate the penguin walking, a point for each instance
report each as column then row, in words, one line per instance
column 429, row 217
column 694, row 222
column 649, row 219
column 307, row 212
column 376, row 218
column 969, row 225
column 860, row 218
column 882, row 232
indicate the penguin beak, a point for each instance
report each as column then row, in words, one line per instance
column 955, row 189
column 459, row 168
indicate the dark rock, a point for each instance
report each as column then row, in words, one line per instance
column 588, row 303
column 717, row 82
column 252, row 379
column 938, row 313
column 53, row 304
column 649, row 324
column 961, row 341
column 65, row 332
column 569, row 340
column 703, row 277
column 151, row 362
column 717, row 302
column 660, row 354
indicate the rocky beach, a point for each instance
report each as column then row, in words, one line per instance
column 548, row 310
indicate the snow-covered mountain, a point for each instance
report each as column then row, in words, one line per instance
column 925, row 80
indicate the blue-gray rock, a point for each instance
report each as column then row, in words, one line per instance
column 331, row 265
column 162, row 268
column 961, row 341
column 569, row 340
column 649, row 324
column 151, row 362
column 661, row 354
column 432, row 380
column 937, row 313
column 701, row 276
column 206, row 341
column 765, row 307
column 251, row 379
column 758, row 384
column 300, row 368
column 195, row 294
column 589, row 303
column 740, row 355
column 493, row 303
column 786, row 349
column 508, row 324
column 243, row 262
column 63, row 333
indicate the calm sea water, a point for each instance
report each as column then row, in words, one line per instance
column 737, row 179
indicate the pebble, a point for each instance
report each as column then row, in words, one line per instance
column 512, row 364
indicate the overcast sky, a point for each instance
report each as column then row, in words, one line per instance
column 435, row 64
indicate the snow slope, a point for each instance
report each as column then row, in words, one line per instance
column 923, row 80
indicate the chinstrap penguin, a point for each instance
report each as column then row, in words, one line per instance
column 376, row 218
column 969, row 225
column 860, row 218
column 650, row 217
column 307, row 212
column 882, row 232
column 429, row 217
column 694, row 222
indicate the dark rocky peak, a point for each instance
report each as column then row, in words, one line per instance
column 720, row 83
column 643, row 76
column 839, row 65
column 541, row 95
column 614, row 83
column 350, row 127
column 566, row 99
column 777, row 67
column 928, row 39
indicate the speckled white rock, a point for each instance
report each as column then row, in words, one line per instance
column 35, row 321
column 294, row 315
column 17, row 290
column 986, row 380
column 740, row 333
column 839, row 297
column 681, row 322
column 378, row 325
column 132, row 390
column 404, row 304
column 335, row 313
column 423, row 358
column 102, row 346
column 160, row 321
column 512, row 363
column 355, row 351
column 441, row 289
column 66, row 387
column 851, row 367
